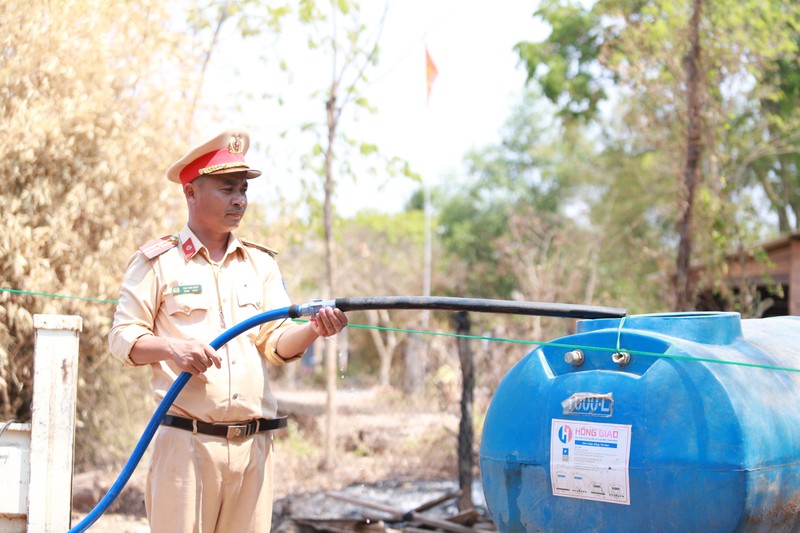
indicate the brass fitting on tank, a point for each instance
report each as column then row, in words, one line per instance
column 621, row 358
column 574, row 358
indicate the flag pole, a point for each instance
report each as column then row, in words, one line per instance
column 430, row 75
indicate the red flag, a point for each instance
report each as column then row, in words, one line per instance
column 430, row 71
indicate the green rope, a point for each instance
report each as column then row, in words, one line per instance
column 49, row 295
column 484, row 338
column 619, row 331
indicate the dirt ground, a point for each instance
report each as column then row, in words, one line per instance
column 382, row 441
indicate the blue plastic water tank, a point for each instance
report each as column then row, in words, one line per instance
column 692, row 435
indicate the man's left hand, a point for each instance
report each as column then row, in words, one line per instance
column 329, row 321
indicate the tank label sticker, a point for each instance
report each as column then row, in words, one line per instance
column 590, row 460
column 589, row 404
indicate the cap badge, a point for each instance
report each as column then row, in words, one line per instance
column 235, row 145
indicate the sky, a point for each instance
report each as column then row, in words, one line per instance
column 479, row 80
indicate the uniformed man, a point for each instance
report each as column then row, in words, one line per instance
column 211, row 463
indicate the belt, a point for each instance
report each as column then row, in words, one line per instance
column 229, row 431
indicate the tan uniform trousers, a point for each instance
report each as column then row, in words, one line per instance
column 205, row 484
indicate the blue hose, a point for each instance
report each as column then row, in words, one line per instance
column 345, row 304
column 103, row 505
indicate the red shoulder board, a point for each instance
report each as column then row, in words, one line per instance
column 157, row 247
column 261, row 247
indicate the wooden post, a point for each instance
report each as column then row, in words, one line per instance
column 55, row 371
column 463, row 329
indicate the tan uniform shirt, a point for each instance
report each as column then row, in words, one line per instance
column 182, row 293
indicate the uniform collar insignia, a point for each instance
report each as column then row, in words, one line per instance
column 188, row 248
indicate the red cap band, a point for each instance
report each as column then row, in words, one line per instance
column 225, row 152
column 211, row 162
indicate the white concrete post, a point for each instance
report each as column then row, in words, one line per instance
column 15, row 468
column 55, row 388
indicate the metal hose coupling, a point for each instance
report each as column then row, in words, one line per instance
column 311, row 308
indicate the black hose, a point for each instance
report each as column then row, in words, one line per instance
column 479, row 305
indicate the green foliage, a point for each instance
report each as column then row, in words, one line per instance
column 308, row 12
column 554, row 212
column 773, row 164
column 504, row 180
column 634, row 52
column 565, row 64
column 632, row 222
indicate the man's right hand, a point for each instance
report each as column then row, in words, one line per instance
column 190, row 356
column 194, row 357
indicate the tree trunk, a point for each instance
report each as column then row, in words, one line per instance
column 223, row 16
column 465, row 425
column 684, row 299
column 414, row 382
column 788, row 172
column 385, row 347
column 330, row 344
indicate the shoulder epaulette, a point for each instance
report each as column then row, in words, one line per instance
column 261, row 247
column 157, row 247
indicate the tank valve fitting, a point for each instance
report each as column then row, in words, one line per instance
column 621, row 358
column 574, row 358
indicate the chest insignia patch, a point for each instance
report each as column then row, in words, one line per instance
column 187, row 289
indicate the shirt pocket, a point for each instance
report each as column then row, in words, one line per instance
column 249, row 295
column 184, row 306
